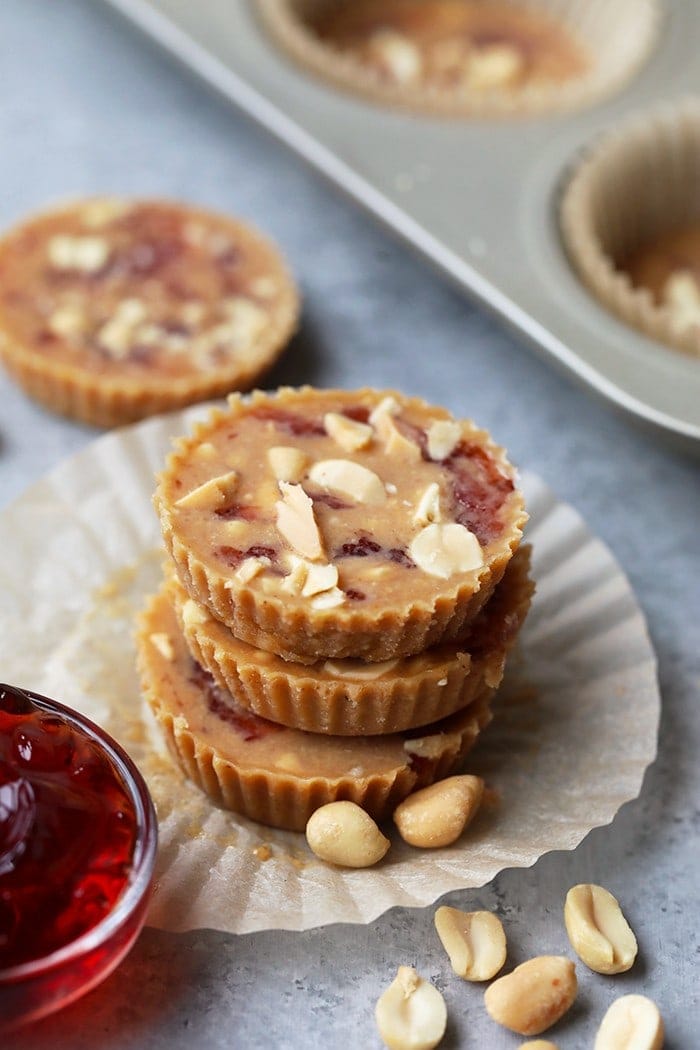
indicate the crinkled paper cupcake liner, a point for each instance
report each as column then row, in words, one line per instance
column 640, row 180
column 574, row 729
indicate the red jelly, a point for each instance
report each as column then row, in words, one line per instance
column 77, row 847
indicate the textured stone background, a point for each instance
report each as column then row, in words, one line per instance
column 89, row 106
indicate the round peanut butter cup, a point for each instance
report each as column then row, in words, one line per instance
column 112, row 310
column 354, row 698
column 273, row 774
column 630, row 220
column 476, row 58
column 339, row 524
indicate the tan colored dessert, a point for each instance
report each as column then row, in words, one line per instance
column 276, row 775
column 452, row 45
column 331, row 524
column 669, row 267
column 467, row 58
column 111, row 310
column 350, row 697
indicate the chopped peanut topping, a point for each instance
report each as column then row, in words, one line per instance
column 349, row 434
column 250, row 568
column 443, row 438
column 194, row 614
column 296, row 521
column 397, row 54
column 395, row 443
column 441, row 550
column 319, row 578
column 211, row 493
column 69, row 320
column 329, row 599
column 388, row 406
column 287, row 463
column 495, row 66
column 350, row 479
column 84, row 254
column 428, row 509
column 164, row 645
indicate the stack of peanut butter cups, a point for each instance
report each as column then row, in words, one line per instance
column 344, row 582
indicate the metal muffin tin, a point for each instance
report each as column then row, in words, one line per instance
column 477, row 198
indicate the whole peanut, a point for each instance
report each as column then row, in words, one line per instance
column 598, row 931
column 342, row 833
column 534, row 996
column 437, row 815
column 633, row 1022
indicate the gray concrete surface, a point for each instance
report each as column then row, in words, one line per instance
column 89, row 106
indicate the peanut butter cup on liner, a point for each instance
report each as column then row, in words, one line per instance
column 477, row 58
column 354, row 698
column 331, row 524
column 273, row 774
column 630, row 220
column 112, row 310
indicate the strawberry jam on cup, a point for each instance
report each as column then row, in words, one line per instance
column 78, row 839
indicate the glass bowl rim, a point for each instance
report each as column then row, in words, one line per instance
column 143, row 860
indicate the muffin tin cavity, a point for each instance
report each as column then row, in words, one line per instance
column 468, row 57
column 630, row 218
column 479, row 198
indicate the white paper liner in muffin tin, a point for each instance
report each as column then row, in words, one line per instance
column 641, row 180
column 477, row 198
column 616, row 39
column 575, row 725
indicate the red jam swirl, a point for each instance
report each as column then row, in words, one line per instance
column 68, row 830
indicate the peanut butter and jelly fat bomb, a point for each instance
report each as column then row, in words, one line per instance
column 112, row 310
column 273, row 774
column 452, row 45
column 353, row 697
column 333, row 524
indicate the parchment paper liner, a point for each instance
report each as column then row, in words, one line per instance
column 617, row 39
column 637, row 182
column 414, row 692
column 290, row 626
column 375, row 772
column 575, row 727
column 111, row 400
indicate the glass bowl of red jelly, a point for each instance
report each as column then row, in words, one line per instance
column 78, row 839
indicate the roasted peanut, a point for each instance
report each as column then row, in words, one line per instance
column 411, row 1013
column 342, row 833
column 633, row 1022
column 474, row 941
column 437, row 815
column 598, row 931
column 534, row 996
